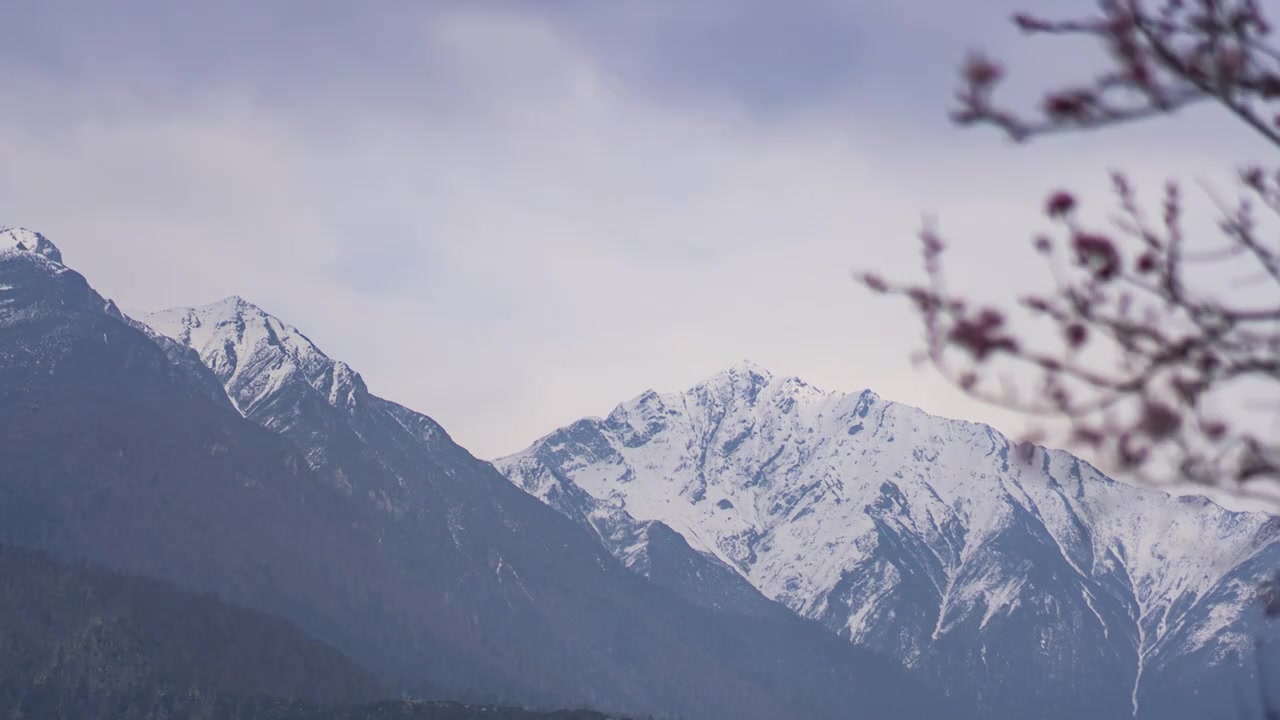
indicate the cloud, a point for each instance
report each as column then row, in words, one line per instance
column 509, row 220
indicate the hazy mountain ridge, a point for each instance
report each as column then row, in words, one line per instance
column 377, row 451
column 299, row 494
column 217, row 447
column 922, row 537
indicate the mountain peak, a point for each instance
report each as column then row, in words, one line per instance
column 254, row 354
column 751, row 383
column 231, row 319
column 231, row 306
column 234, row 301
column 23, row 240
column 743, row 377
column 922, row 538
column 747, row 368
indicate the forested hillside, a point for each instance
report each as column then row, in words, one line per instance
column 81, row 642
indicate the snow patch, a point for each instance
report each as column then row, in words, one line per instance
column 23, row 240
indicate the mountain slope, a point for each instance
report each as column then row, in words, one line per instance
column 438, row 506
column 302, row 495
column 1047, row 586
column 84, row 642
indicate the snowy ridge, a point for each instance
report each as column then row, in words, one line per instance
column 22, row 240
column 274, row 375
column 253, row 353
column 861, row 513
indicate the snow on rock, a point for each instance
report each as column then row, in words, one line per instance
column 275, row 376
column 22, row 240
column 253, row 353
column 866, row 514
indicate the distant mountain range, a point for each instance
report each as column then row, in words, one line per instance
column 1040, row 589
column 217, row 450
column 203, row 514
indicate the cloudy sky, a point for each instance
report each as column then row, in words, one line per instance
column 509, row 215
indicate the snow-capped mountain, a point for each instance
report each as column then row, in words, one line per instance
column 225, row 453
column 273, row 374
column 1042, row 584
column 519, row 569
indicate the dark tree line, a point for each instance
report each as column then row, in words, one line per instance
column 82, row 643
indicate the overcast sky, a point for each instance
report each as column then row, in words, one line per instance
column 509, row 215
